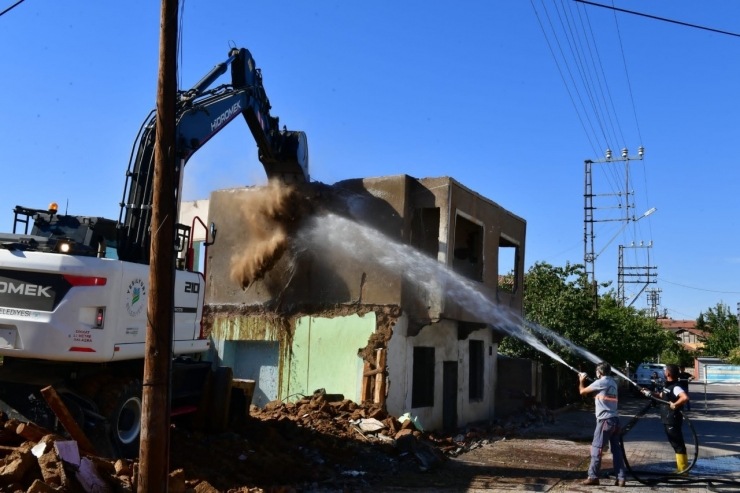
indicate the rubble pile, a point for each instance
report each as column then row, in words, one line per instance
column 316, row 442
column 331, row 415
column 34, row 460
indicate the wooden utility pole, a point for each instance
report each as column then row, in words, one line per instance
column 154, row 449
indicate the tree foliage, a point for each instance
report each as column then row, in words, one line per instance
column 677, row 356
column 561, row 299
column 721, row 324
column 734, row 357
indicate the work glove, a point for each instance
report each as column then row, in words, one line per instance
column 646, row 393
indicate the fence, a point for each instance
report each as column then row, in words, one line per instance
column 719, row 375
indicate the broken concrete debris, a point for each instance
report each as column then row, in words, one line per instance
column 414, row 419
column 369, row 425
column 287, row 446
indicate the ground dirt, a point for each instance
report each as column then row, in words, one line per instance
column 311, row 445
column 315, row 444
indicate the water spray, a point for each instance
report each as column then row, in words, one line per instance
column 362, row 243
column 333, row 233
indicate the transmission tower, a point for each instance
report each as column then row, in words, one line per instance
column 653, row 299
column 642, row 274
column 589, row 257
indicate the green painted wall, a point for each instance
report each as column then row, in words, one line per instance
column 324, row 355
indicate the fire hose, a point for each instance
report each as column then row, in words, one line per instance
column 676, row 477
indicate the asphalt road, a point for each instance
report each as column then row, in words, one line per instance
column 554, row 457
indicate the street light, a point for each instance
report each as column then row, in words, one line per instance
column 646, row 214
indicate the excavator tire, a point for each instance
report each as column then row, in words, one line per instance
column 120, row 403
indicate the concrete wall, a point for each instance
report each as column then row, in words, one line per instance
column 324, row 355
column 258, row 361
column 390, row 205
column 315, row 278
column 254, row 348
column 458, row 201
column 445, row 337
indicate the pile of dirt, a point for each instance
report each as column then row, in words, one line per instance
column 34, row 460
column 323, row 440
column 319, row 442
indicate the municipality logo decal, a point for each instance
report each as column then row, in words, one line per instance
column 134, row 297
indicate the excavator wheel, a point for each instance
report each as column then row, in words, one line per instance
column 120, row 403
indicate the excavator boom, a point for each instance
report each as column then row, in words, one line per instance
column 201, row 113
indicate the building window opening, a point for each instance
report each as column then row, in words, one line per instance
column 508, row 256
column 475, row 379
column 422, row 384
column 468, row 249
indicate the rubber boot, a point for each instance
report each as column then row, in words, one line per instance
column 682, row 462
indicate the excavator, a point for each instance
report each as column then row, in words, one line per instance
column 73, row 289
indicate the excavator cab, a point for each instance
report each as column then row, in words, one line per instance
column 61, row 233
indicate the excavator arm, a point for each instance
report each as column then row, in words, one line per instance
column 201, row 113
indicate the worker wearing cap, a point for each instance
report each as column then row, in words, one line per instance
column 675, row 397
column 608, row 427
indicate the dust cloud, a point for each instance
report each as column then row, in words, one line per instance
column 269, row 214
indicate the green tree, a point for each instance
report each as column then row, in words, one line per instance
column 701, row 323
column 734, row 356
column 677, row 356
column 560, row 299
column 721, row 324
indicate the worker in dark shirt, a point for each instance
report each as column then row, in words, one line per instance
column 675, row 398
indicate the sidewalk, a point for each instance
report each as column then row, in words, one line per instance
column 648, row 450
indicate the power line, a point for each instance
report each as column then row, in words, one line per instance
column 629, row 85
column 564, row 251
column 676, row 311
column 612, row 7
column 596, row 72
column 700, row 289
column 603, row 74
column 554, row 57
column 565, row 60
column 576, row 54
column 12, row 7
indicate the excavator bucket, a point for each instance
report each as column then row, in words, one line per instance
column 291, row 162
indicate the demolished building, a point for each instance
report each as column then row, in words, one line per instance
column 367, row 324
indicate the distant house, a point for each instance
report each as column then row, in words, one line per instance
column 686, row 332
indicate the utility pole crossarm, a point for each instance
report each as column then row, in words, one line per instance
column 589, row 255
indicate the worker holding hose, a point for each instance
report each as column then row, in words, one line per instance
column 674, row 397
column 608, row 427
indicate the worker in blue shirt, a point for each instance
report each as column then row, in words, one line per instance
column 608, row 427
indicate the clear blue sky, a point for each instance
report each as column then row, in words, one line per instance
column 467, row 89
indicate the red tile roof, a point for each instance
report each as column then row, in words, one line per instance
column 678, row 326
column 669, row 323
